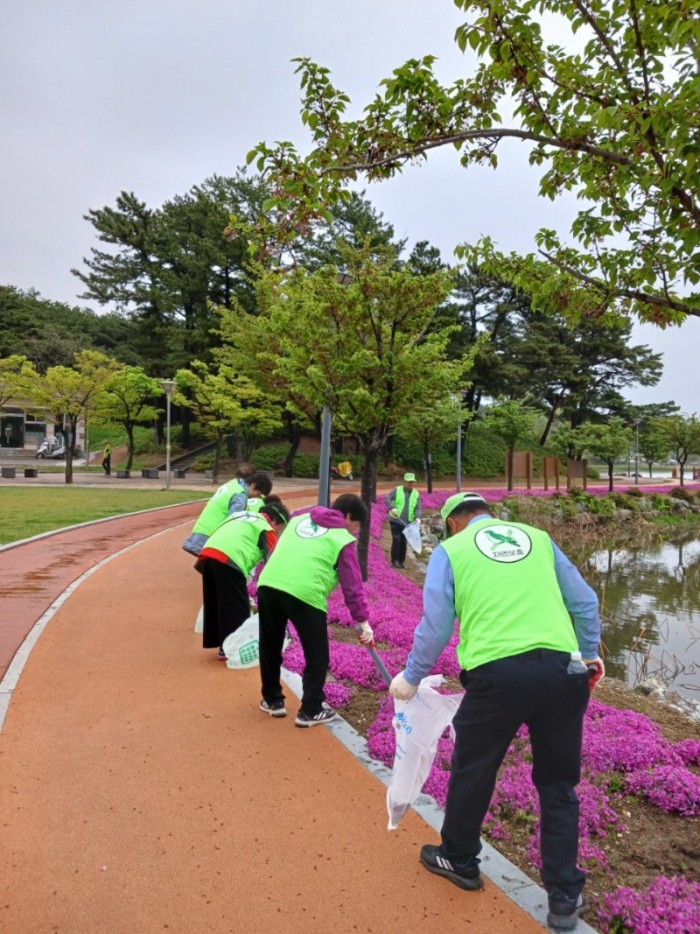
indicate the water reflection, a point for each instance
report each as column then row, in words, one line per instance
column 651, row 612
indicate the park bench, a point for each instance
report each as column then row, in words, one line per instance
column 150, row 473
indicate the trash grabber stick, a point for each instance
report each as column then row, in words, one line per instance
column 379, row 663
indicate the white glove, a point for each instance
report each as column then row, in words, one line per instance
column 401, row 689
column 364, row 633
column 594, row 677
column 393, row 513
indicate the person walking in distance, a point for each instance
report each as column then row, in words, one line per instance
column 107, row 459
column 514, row 594
column 316, row 552
column 403, row 503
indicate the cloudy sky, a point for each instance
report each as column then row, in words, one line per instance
column 154, row 96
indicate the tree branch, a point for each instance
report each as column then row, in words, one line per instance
column 632, row 294
column 492, row 134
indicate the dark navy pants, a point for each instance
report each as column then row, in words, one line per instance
column 533, row 688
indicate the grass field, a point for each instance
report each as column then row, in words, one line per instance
column 24, row 513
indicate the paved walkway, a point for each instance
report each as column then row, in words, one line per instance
column 141, row 790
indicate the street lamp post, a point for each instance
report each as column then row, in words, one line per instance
column 168, row 387
column 636, row 450
column 324, row 467
column 458, row 472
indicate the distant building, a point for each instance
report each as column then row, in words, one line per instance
column 23, row 428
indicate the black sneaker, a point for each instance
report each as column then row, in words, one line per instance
column 275, row 709
column 564, row 912
column 323, row 716
column 433, row 860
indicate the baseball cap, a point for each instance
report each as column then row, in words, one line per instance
column 409, row 477
column 452, row 502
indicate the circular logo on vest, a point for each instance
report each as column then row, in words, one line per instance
column 308, row 529
column 503, row 543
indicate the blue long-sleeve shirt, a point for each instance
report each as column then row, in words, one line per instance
column 437, row 623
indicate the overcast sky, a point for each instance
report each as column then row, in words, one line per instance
column 154, row 96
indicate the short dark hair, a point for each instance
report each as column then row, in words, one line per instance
column 351, row 505
column 272, row 498
column 261, row 481
column 276, row 511
column 245, row 470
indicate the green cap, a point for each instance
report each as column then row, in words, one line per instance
column 452, row 502
column 409, row 478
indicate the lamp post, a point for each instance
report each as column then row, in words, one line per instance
column 324, row 467
column 168, row 387
column 636, row 450
column 457, row 400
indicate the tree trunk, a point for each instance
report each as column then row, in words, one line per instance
column 217, row 457
column 294, row 438
column 610, row 476
column 368, row 494
column 68, row 442
column 509, row 468
column 550, row 421
column 428, row 462
column 130, row 441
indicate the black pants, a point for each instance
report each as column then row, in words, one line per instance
column 533, row 688
column 398, row 542
column 107, row 465
column 226, row 601
column 275, row 608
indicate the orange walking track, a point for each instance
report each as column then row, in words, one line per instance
column 141, row 789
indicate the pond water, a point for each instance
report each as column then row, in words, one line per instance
column 651, row 612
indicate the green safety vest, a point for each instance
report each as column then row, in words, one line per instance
column 304, row 561
column 400, row 499
column 216, row 509
column 255, row 504
column 237, row 537
column 507, row 596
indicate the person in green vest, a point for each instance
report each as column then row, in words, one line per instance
column 229, row 498
column 229, row 555
column 403, row 503
column 107, row 459
column 514, row 594
column 317, row 551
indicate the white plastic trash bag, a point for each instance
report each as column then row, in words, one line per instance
column 199, row 622
column 418, row 723
column 242, row 647
column 412, row 533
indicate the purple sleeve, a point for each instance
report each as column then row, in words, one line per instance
column 351, row 582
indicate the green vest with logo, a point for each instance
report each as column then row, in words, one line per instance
column 303, row 563
column 507, row 597
column 255, row 504
column 216, row 509
column 237, row 537
column 400, row 499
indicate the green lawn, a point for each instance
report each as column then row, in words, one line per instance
column 27, row 512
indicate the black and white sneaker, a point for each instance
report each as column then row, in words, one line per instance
column 564, row 912
column 323, row 716
column 275, row 709
column 433, row 860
